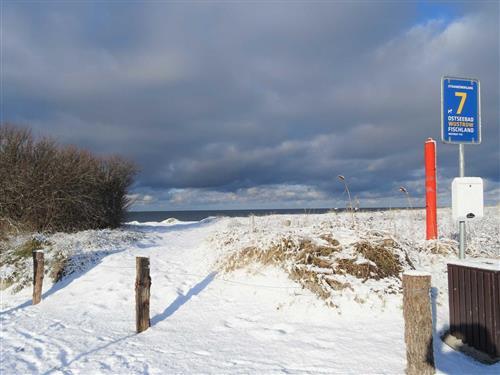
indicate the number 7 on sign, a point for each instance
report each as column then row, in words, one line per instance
column 463, row 96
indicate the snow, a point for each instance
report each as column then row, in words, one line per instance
column 253, row 320
column 416, row 273
column 167, row 222
column 482, row 263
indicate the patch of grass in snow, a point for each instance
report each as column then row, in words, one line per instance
column 363, row 270
column 442, row 247
column 329, row 238
column 386, row 262
column 323, row 251
column 18, row 258
column 59, row 267
column 27, row 248
column 65, row 253
column 324, row 269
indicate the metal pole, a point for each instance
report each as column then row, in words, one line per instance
column 430, row 189
column 461, row 224
column 461, row 158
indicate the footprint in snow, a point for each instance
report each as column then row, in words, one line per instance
column 239, row 322
column 57, row 326
column 274, row 332
column 282, row 328
column 247, row 318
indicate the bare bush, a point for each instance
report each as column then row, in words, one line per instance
column 46, row 186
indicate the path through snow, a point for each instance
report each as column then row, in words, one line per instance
column 200, row 321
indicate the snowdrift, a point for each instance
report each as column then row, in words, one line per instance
column 293, row 293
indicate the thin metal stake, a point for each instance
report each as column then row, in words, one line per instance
column 461, row 224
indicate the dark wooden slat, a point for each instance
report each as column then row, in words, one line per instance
column 488, row 311
column 496, row 306
column 481, row 313
column 451, row 301
column 474, row 337
column 461, row 304
column 456, row 298
column 474, row 297
column 468, row 307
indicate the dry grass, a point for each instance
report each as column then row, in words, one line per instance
column 27, row 248
column 361, row 270
column 318, row 267
column 310, row 280
column 18, row 257
column 329, row 238
column 59, row 267
column 10, row 227
column 387, row 264
column 441, row 248
column 21, row 252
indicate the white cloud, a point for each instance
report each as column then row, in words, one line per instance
column 141, row 199
column 257, row 195
column 215, row 99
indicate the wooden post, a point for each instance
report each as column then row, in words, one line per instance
column 37, row 276
column 142, row 293
column 418, row 323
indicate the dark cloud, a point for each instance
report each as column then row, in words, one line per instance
column 215, row 99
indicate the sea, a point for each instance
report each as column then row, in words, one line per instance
column 145, row 216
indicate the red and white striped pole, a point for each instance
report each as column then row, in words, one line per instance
column 430, row 188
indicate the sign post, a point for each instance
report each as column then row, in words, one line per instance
column 460, row 123
column 461, row 223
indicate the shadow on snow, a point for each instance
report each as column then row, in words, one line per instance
column 169, row 311
column 66, row 280
column 76, row 275
column 453, row 362
column 182, row 299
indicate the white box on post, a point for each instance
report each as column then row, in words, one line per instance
column 467, row 198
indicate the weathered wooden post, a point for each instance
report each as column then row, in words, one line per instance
column 418, row 323
column 142, row 293
column 37, row 276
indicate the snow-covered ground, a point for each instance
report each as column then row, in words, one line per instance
column 253, row 320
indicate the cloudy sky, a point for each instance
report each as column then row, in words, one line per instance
column 255, row 104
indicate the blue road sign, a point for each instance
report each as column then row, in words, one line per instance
column 460, row 110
